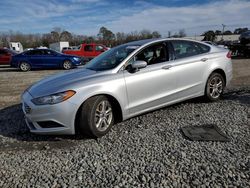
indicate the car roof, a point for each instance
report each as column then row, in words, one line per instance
column 148, row 41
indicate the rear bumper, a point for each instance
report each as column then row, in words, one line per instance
column 229, row 72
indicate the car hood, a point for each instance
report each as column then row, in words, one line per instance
column 58, row 82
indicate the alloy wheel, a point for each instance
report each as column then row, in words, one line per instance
column 215, row 87
column 103, row 115
column 24, row 66
column 67, row 65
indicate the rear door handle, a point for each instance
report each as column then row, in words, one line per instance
column 167, row 67
column 204, row 59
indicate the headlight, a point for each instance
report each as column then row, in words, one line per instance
column 54, row 98
column 76, row 58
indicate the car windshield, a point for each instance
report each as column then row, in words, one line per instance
column 111, row 58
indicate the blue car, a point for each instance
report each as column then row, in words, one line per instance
column 44, row 58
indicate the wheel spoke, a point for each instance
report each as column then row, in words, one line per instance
column 99, row 122
column 212, row 94
column 219, row 84
column 108, row 111
column 97, row 114
column 219, row 90
column 105, row 121
column 216, row 93
column 103, row 106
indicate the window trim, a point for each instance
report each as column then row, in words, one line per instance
column 175, row 57
column 167, row 42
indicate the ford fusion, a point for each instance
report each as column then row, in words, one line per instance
column 123, row 82
column 44, row 58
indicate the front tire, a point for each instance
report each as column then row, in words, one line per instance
column 96, row 116
column 24, row 66
column 67, row 65
column 214, row 87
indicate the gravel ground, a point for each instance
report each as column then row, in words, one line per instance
column 145, row 151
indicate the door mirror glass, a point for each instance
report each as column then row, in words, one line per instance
column 139, row 64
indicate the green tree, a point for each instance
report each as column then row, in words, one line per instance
column 218, row 32
column 105, row 34
column 240, row 30
column 55, row 36
column 209, row 36
column 182, row 33
column 227, row 32
column 156, row 34
column 65, row 36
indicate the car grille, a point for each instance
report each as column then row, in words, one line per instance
column 26, row 108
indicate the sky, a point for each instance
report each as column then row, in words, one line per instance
column 87, row 16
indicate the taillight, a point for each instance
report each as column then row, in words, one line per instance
column 229, row 54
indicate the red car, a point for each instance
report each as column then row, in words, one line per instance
column 87, row 51
column 5, row 56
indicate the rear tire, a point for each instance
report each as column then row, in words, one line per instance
column 67, row 65
column 96, row 117
column 214, row 87
column 24, row 66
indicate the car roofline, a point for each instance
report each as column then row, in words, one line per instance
column 148, row 42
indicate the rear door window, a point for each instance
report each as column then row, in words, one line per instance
column 184, row 49
column 49, row 52
column 34, row 52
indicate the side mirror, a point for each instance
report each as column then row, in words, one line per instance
column 139, row 64
column 136, row 66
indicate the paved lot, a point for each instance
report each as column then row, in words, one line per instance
column 145, row 151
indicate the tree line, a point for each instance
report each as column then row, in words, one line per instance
column 104, row 36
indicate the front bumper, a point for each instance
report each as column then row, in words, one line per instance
column 62, row 114
column 76, row 63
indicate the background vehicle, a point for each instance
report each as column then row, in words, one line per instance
column 66, row 48
column 44, row 58
column 245, row 37
column 59, row 46
column 241, row 48
column 88, row 51
column 6, row 55
column 16, row 46
column 126, row 81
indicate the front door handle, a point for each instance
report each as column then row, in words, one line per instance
column 204, row 59
column 167, row 67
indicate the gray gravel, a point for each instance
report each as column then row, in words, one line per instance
column 145, row 151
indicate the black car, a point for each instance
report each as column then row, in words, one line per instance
column 245, row 37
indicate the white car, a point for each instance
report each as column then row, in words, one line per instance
column 126, row 81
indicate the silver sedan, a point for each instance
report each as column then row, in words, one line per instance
column 125, row 81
